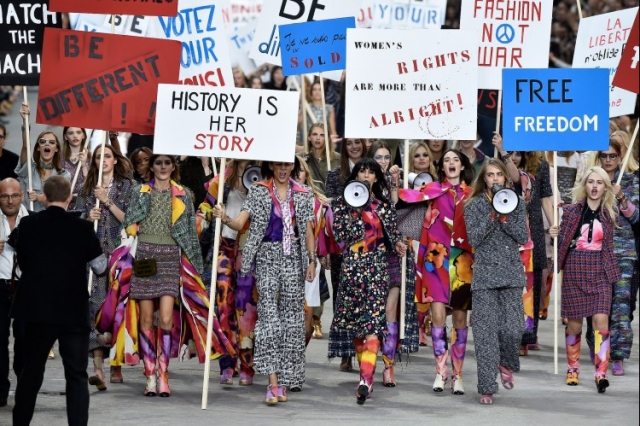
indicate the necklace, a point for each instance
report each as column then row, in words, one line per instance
column 46, row 166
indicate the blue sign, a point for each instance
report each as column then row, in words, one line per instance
column 316, row 46
column 556, row 109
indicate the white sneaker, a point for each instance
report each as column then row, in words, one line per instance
column 439, row 382
column 457, row 387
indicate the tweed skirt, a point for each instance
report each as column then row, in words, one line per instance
column 585, row 290
column 166, row 282
column 395, row 274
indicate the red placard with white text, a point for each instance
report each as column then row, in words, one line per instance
column 104, row 81
column 627, row 75
column 129, row 7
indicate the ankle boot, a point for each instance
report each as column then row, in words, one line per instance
column 602, row 350
column 572, row 344
column 148, row 350
column 441, row 354
column 458, row 350
column 389, row 354
column 370, row 350
column 164, row 353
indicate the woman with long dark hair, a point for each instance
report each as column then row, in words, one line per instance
column 75, row 155
column 141, row 166
column 368, row 235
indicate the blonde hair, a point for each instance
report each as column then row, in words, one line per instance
column 308, row 180
column 480, row 186
column 412, row 151
column 608, row 200
column 624, row 139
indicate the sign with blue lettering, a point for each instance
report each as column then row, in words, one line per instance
column 556, row 109
column 311, row 47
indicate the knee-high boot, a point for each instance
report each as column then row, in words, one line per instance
column 458, row 350
column 368, row 351
column 441, row 354
column 601, row 361
column 572, row 344
column 164, row 353
column 148, row 349
column 389, row 354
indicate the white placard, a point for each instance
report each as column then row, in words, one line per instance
column 511, row 34
column 399, row 86
column 402, row 14
column 599, row 44
column 266, row 42
column 226, row 122
column 199, row 26
column 240, row 39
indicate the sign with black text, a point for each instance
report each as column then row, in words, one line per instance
column 557, row 109
column 226, row 122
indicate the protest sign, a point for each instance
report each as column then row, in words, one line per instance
column 136, row 25
column 512, row 34
column 21, row 32
column 240, row 39
column 129, row 7
column 226, row 122
column 311, row 47
column 240, row 12
column 266, row 43
column 627, row 76
column 599, row 44
column 402, row 14
column 109, row 81
column 558, row 109
column 399, row 86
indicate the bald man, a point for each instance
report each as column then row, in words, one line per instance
column 12, row 211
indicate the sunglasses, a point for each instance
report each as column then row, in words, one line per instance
column 607, row 156
column 382, row 157
column 42, row 142
column 423, row 155
column 162, row 163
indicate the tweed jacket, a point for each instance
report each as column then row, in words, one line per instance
column 258, row 204
column 571, row 216
column 349, row 229
column 183, row 221
column 496, row 240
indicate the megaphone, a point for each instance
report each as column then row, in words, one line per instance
column 356, row 193
column 418, row 180
column 250, row 176
column 505, row 200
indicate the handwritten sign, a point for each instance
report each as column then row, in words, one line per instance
column 130, row 7
column 558, row 109
column 109, row 81
column 398, row 86
column 21, row 32
column 266, row 43
column 513, row 34
column 599, row 44
column 226, row 122
column 311, row 47
column 626, row 76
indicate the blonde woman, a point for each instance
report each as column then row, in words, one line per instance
column 586, row 254
column 421, row 159
column 316, row 159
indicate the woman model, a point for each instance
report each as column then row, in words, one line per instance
column 444, row 263
column 281, row 244
column 586, row 254
column 46, row 161
column 624, row 247
column 437, row 147
column 113, row 193
column 141, row 166
column 368, row 234
column 314, row 99
column 75, row 151
column 236, row 296
column 498, row 279
column 316, row 159
column 352, row 151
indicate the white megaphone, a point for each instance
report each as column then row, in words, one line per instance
column 418, row 180
column 356, row 193
column 250, row 176
column 505, row 200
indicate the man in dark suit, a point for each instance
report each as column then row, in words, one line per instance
column 52, row 300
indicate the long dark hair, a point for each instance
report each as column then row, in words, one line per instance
column 380, row 185
column 344, row 158
column 466, row 175
column 133, row 158
column 67, row 145
column 175, row 174
column 121, row 170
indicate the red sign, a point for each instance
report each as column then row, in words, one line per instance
column 627, row 74
column 104, row 81
column 120, row 7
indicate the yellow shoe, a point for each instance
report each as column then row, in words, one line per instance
column 317, row 330
column 52, row 354
column 572, row 378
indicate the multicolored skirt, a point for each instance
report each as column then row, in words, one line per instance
column 166, row 282
column 585, row 290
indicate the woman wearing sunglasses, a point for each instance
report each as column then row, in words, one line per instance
column 281, row 245
column 626, row 195
column 46, row 161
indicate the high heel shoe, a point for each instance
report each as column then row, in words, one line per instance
column 363, row 392
column 506, row 376
column 151, row 388
column 486, row 399
column 271, row 398
column 388, row 377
